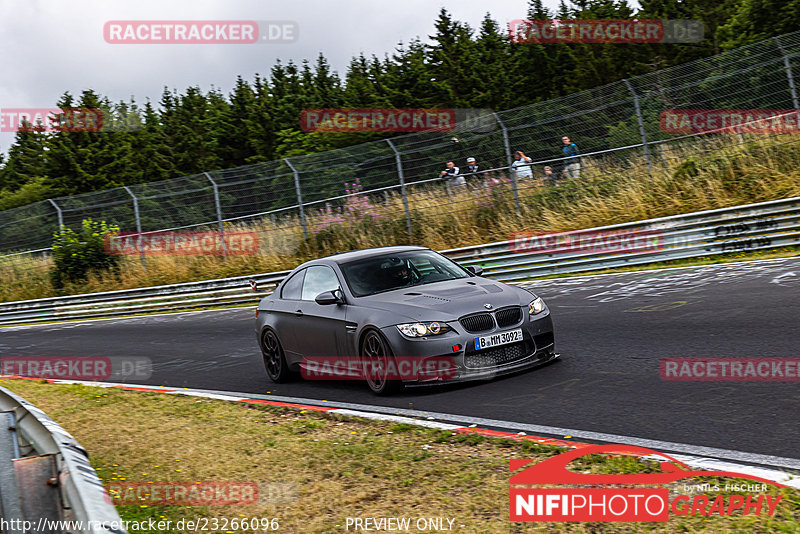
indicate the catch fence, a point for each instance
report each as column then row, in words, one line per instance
column 617, row 125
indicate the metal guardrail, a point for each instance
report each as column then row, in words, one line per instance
column 186, row 296
column 740, row 228
column 46, row 476
column 747, row 227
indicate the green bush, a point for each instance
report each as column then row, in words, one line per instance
column 75, row 255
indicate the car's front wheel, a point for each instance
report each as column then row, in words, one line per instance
column 274, row 360
column 379, row 363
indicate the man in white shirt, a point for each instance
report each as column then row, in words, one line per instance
column 521, row 166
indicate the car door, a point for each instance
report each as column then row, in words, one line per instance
column 288, row 316
column 323, row 331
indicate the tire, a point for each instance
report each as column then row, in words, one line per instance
column 375, row 349
column 274, row 359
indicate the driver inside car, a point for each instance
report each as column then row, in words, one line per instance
column 401, row 275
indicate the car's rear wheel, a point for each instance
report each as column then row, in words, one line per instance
column 379, row 362
column 274, row 360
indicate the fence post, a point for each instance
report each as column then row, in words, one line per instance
column 641, row 125
column 509, row 160
column 788, row 67
column 219, row 213
column 58, row 211
column 402, row 187
column 138, row 224
column 299, row 197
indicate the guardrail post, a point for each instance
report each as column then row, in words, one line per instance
column 403, row 193
column 138, row 224
column 509, row 160
column 789, row 76
column 60, row 214
column 641, row 124
column 299, row 197
column 219, row 213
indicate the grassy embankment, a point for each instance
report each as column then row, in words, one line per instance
column 727, row 171
column 328, row 468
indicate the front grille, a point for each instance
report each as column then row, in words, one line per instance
column 496, row 356
column 477, row 323
column 508, row 317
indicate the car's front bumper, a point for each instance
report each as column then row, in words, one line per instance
column 450, row 364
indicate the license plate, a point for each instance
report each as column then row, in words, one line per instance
column 501, row 338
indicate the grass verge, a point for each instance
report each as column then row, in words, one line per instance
column 338, row 467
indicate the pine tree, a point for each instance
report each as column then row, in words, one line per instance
column 152, row 151
column 492, row 75
column 409, row 77
column 26, row 158
column 261, row 125
column 754, row 20
column 76, row 158
column 453, row 62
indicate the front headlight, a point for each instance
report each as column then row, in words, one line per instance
column 423, row 329
column 536, row 306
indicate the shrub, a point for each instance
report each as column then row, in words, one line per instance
column 75, row 255
column 346, row 227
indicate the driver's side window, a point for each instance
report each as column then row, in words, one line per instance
column 319, row 279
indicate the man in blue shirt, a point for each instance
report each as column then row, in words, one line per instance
column 572, row 165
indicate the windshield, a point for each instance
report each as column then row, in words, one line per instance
column 399, row 270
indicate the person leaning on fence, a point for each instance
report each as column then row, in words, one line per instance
column 522, row 165
column 572, row 165
column 451, row 174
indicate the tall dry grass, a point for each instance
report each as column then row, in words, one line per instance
column 725, row 171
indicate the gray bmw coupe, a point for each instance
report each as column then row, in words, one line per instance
column 400, row 315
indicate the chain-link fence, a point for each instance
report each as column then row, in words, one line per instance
column 617, row 123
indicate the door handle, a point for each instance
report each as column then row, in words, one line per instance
column 298, row 313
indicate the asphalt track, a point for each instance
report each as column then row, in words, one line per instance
column 611, row 330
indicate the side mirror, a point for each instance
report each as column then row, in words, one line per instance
column 477, row 270
column 329, row 297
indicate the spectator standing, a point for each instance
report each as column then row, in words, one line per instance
column 451, row 174
column 550, row 178
column 472, row 166
column 521, row 166
column 572, row 165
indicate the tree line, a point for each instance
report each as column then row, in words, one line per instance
column 458, row 67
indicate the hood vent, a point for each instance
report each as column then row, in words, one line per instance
column 491, row 288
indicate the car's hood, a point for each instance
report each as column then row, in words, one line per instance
column 448, row 300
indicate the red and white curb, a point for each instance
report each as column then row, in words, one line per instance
column 699, row 462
